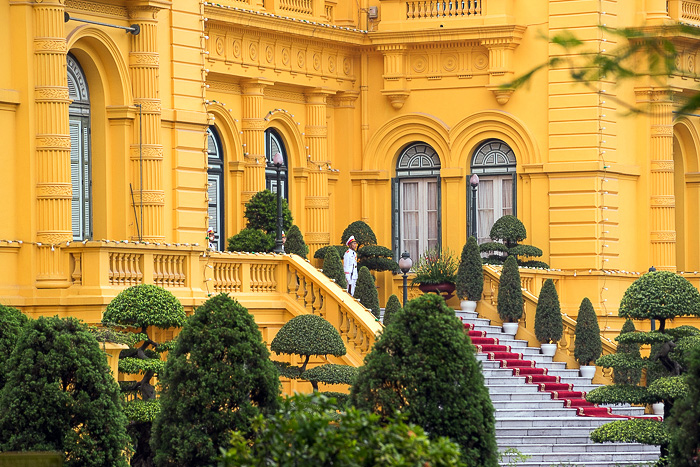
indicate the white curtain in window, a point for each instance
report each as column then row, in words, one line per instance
column 485, row 213
column 419, row 215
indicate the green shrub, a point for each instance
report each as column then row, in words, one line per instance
column 685, row 417
column 510, row 295
column 549, row 326
column 470, row 274
column 363, row 234
column 423, row 365
column 435, row 266
column 330, row 373
column 366, row 291
column 12, row 322
column 295, row 243
column 333, row 268
column 620, row 394
column 588, row 345
column 508, row 229
column 632, row 431
column 628, row 375
column 218, row 378
column 376, row 258
column 321, row 252
column 668, row 388
column 393, row 306
column 60, row 396
column 251, row 241
column 506, row 233
column 261, row 213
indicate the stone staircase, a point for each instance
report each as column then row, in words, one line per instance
column 541, row 428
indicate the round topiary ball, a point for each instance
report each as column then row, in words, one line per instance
column 143, row 306
column 362, row 231
column 308, row 335
column 509, row 229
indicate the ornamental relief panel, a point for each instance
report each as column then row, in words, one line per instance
column 94, row 7
column 461, row 62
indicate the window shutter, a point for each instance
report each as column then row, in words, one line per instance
column 439, row 213
column 396, row 215
column 86, row 202
column 213, row 192
column 75, row 178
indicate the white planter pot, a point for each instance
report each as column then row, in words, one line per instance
column 658, row 408
column 510, row 328
column 468, row 305
column 587, row 371
column 548, row 349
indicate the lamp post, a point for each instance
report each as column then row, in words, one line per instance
column 405, row 263
column 278, row 161
column 474, row 182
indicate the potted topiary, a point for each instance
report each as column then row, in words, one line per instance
column 436, row 272
column 470, row 276
column 549, row 326
column 588, row 347
column 510, row 296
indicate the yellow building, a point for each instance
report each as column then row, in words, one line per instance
column 130, row 127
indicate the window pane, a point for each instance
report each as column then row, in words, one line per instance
column 507, row 195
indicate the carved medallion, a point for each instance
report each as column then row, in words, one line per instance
column 420, row 63
column 300, row 59
column 269, row 54
column 253, row 51
column 347, row 65
column 219, row 46
column 449, row 62
column 481, row 61
column 236, row 49
column 317, row 62
column 285, row 56
column 331, row 63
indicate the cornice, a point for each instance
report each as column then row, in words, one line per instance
column 480, row 34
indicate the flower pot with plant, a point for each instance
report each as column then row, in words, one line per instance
column 588, row 347
column 436, row 272
column 470, row 276
column 510, row 296
column 549, row 326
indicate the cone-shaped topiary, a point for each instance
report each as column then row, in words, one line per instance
column 393, row 306
column 363, row 234
column 630, row 376
column 423, row 365
column 510, row 295
column 588, row 346
column 333, row 268
column 217, row 379
column 11, row 323
column 549, row 326
column 261, row 212
column 306, row 336
column 61, row 396
column 470, row 276
column 295, row 242
column 366, row 291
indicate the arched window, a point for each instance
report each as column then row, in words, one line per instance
column 416, row 201
column 494, row 162
column 215, row 180
column 80, row 170
column 273, row 145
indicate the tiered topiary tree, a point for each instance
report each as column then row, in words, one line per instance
column 333, row 268
column 549, row 326
column 217, row 379
column 261, row 215
column 510, row 294
column 12, row 322
column 295, row 242
column 366, row 291
column 369, row 254
column 60, row 396
column 588, row 346
column 633, row 375
column 470, row 275
column 393, row 306
column 436, row 382
column 506, row 235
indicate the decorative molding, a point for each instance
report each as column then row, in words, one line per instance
column 52, row 93
column 502, row 94
column 94, row 7
column 64, row 191
column 317, row 202
column 663, row 201
column 396, row 98
column 224, row 86
column 57, row 141
column 318, row 237
column 662, row 236
column 284, row 95
column 148, row 152
column 144, row 58
column 661, row 166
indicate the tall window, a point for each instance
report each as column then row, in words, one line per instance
column 273, row 145
column 416, row 201
column 494, row 163
column 215, row 180
column 80, row 171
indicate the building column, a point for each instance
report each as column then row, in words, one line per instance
column 253, row 126
column 146, row 149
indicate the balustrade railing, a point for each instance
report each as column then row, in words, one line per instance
column 125, row 268
column 169, row 270
column 422, row 9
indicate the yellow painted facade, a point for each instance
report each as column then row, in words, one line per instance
column 347, row 87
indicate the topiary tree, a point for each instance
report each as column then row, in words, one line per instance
column 363, row 234
column 423, row 365
column 252, row 241
column 12, row 322
column 333, row 268
column 629, row 376
column 366, row 291
column 218, row 378
column 374, row 257
column 321, row 252
column 510, row 295
column 506, row 235
column 549, row 326
column 295, row 242
column 685, row 418
column 588, row 345
column 60, row 396
column 470, row 276
column 393, row 306
column 261, row 212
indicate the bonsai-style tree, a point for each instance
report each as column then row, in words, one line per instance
column 363, row 234
column 333, row 268
column 11, row 323
column 549, row 326
column 393, row 306
column 506, row 235
column 217, row 379
column 60, row 396
column 470, row 276
column 366, row 291
column 307, row 336
column 295, row 242
column 685, row 418
column 369, row 254
column 630, row 376
column 261, row 212
column 435, row 382
column 251, row 241
column 510, row 294
column 588, row 346
column 138, row 308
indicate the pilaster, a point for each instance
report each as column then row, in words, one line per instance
column 395, row 74
column 253, row 126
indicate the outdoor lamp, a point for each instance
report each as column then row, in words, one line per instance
column 405, row 264
column 278, row 162
column 474, row 182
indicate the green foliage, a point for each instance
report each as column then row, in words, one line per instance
column 621, row 394
column 506, row 234
column 423, row 365
column 295, row 242
column 366, row 291
column 648, row 338
column 110, row 333
column 252, row 241
column 261, row 213
column 308, row 335
column 134, row 366
column 376, row 258
column 684, row 420
column 333, row 268
column 60, row 396
column 669, row 388
column 363, row 234
column 139, row 410
column 321, row 252
column 11, row 323
column 682, row 331
column 682, row 351
column 145, row 305
column 508, row 229
column 627, row 375
column 470, row 274
column 525, row 250
column 534, row 264
column 218, row 378
column 622, row 361
column 632, row 431
column 549, row 326
column 393, row 306
column 330, row 373
column 588, row 345
column 309, row 430
column 510, row 295
column 435, row 266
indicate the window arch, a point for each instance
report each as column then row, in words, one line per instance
column 416, row 200
column 215, row 184
column 494, row 162
column 273, row 145
column 80, row 163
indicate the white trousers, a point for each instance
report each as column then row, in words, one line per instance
column 351, row 287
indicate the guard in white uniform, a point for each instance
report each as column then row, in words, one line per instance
column 350, row 264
